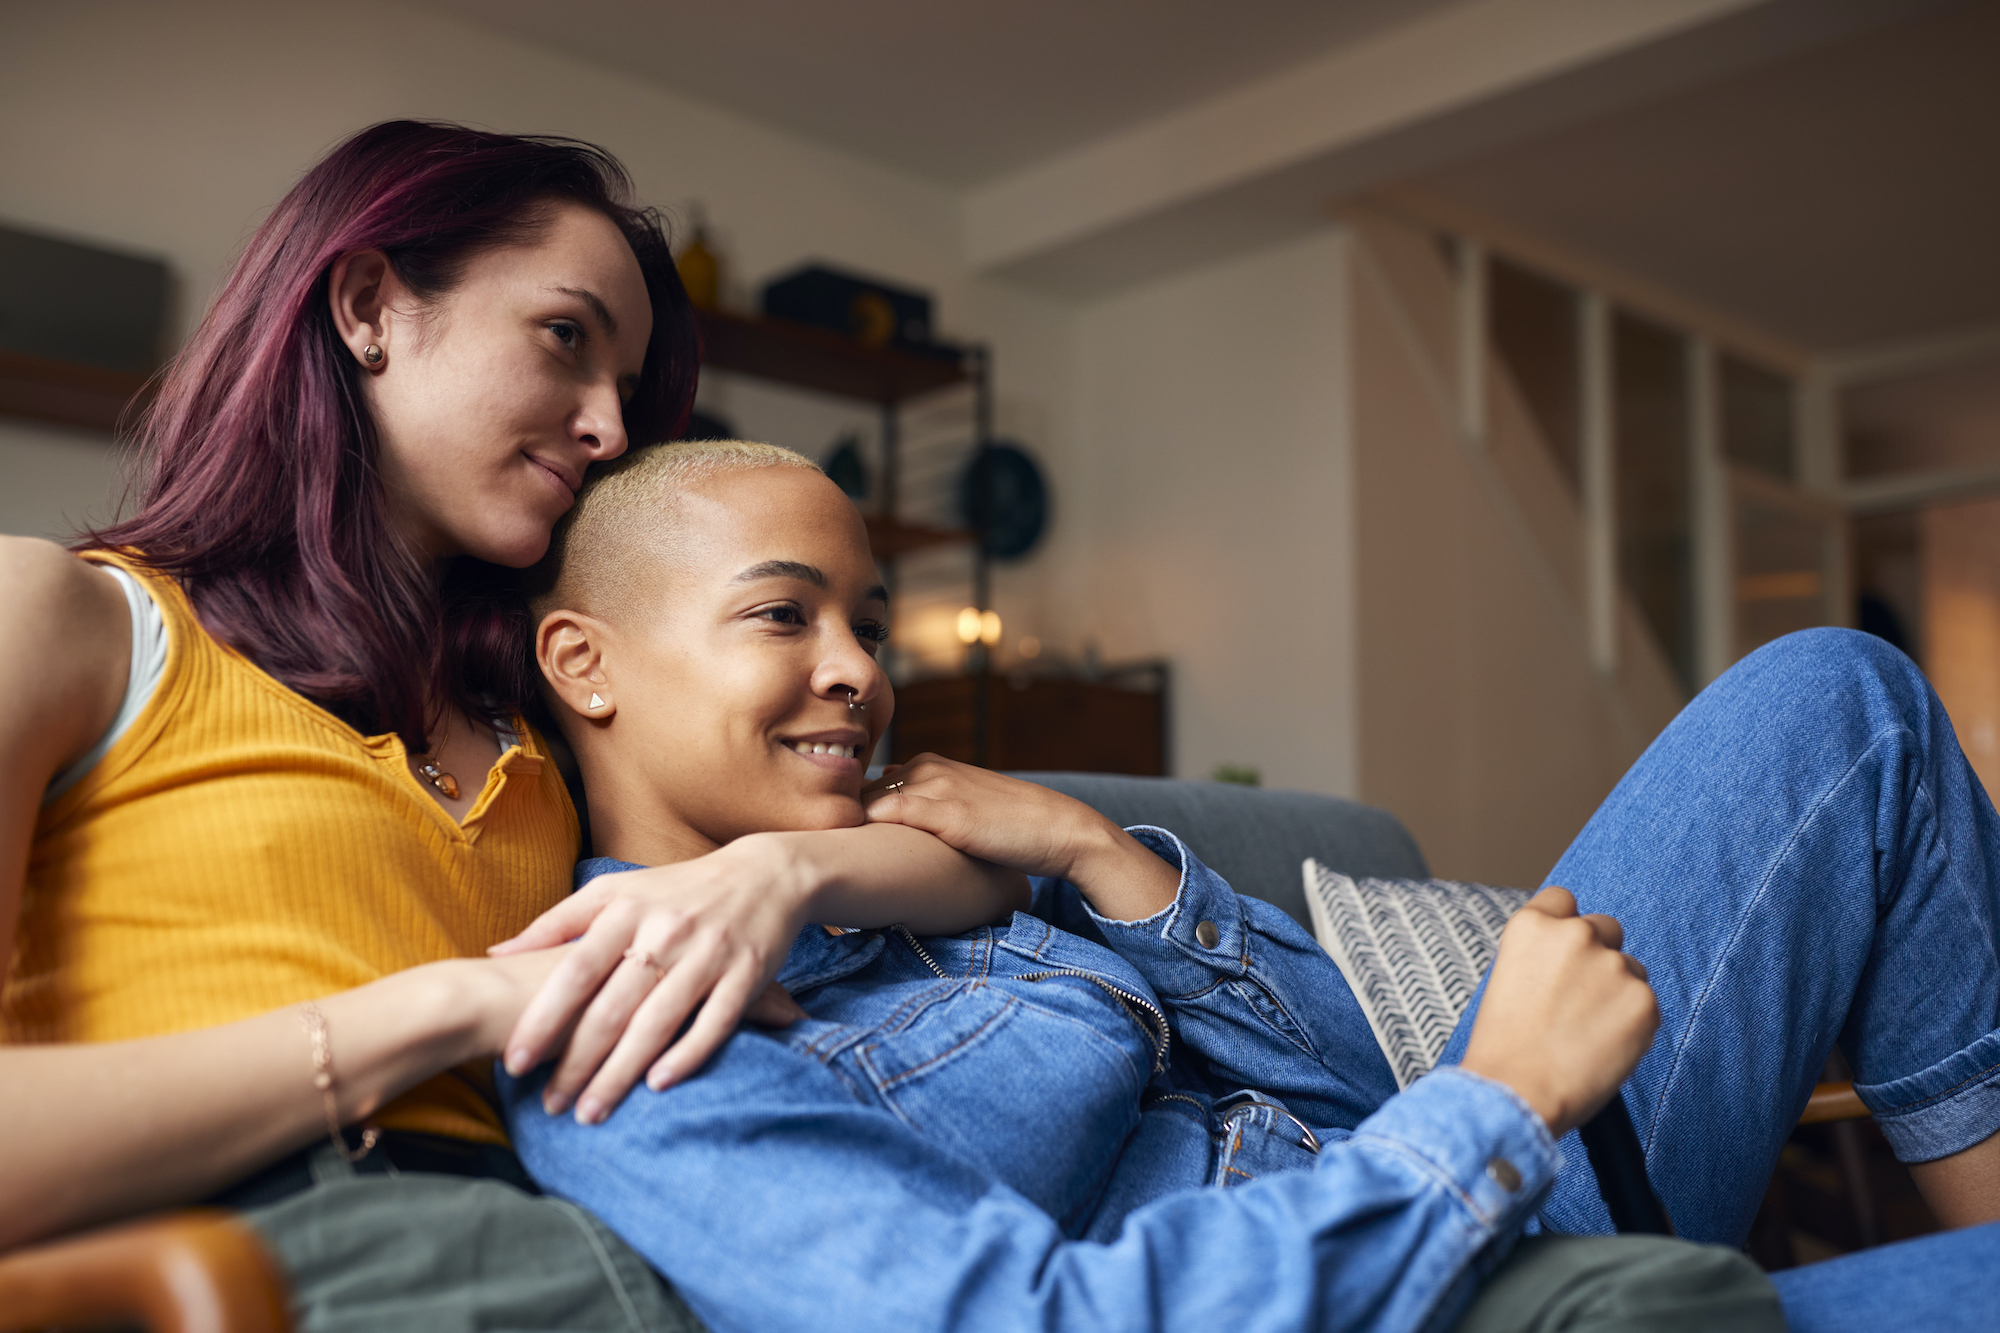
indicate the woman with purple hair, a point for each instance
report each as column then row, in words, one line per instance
column 273, row 790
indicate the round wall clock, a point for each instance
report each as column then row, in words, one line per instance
column 1003, row 496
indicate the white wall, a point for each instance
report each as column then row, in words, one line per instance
column 54, row 480
column 1207, row 507
column 171, row 129
column 1486, row 729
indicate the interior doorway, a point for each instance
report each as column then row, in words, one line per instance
column 1921, row 457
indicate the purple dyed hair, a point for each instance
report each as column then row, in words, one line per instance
column 260, row 492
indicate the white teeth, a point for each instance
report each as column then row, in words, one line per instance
column 821, row 747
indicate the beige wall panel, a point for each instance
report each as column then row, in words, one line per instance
column 1961, row 559
column 1482, row 722
column 1205, row 515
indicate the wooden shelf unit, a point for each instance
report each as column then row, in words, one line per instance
column 810, row 358
column 66, row 394
column 799, row 354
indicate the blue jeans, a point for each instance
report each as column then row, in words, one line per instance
column 1802, row 859
column 1798, row 859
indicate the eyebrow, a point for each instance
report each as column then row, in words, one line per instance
column 597, row 307
column 798, row 569
column 783, row 569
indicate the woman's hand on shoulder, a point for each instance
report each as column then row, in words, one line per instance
column 1029, row 827
column 652, row 947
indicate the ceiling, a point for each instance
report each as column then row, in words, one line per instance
column 1844, row 196
column 1840, row 195
column 959, row 91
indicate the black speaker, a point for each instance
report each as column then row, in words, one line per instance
column 872, row 313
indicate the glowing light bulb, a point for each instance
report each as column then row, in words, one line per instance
column 968, row 625
column 989, row 628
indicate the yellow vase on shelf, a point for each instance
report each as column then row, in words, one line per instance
column 700, row 272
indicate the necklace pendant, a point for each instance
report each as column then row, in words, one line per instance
column 440, row 779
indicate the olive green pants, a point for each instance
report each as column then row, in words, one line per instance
column 419, row 1253
column 444, row 1254
column 1635, row 1284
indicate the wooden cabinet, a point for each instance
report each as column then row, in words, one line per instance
column 1037, row 723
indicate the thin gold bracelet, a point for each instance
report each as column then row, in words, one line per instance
column 322, row 1056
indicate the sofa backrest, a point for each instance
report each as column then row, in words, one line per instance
column 1255, row 839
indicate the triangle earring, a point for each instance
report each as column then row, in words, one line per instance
column 595, row 702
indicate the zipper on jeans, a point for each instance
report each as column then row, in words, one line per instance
column 921, row 952
column 1195, row 1102
column 1143, row 1012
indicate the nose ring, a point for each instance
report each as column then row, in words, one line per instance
column 854, row 705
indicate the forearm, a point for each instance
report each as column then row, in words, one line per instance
column 90, row 1132
column 773, row 1200
column 887, row 874
column 1119, row 876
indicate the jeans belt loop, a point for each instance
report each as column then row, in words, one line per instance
column 1238, row 1105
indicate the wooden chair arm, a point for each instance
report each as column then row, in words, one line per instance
column 182, row 1272
column 1834, row 1101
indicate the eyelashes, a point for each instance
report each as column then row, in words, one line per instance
column 868, row 631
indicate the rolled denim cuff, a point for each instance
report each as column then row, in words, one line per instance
column 1184, row 947
column 1938, row 1111
column 1476, row 1136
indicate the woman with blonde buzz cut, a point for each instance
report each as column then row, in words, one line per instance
column 1148, row 1103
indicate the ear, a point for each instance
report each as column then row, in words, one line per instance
column 360, row 288
column 571, row 648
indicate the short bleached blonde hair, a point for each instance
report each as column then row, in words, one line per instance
column 624, row 521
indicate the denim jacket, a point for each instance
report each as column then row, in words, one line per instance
column 1063, row 1123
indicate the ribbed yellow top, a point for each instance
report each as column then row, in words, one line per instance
column 240, row 849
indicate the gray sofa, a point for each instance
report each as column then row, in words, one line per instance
column 1255, row 839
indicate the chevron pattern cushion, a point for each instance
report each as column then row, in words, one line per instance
column 1412, row 950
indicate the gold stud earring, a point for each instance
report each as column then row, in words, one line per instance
column 372, row 355
column 595, row 702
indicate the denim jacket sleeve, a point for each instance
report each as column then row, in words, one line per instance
column 1252, row 993
column 774, row 1200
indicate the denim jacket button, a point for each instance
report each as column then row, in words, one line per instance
column 1504, row 1174
column 1208, row 934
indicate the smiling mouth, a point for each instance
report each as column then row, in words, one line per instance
column 820, row 747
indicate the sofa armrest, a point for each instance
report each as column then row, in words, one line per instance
column 181, row 1272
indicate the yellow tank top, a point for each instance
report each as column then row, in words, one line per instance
column 239, row 849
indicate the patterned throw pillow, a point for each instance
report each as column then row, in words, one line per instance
column 1412, row 950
